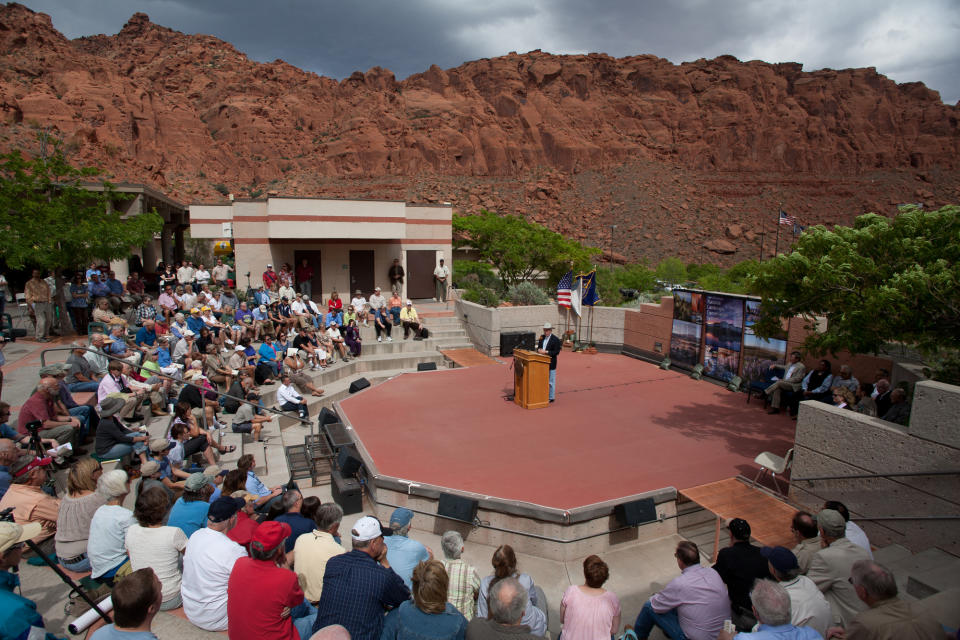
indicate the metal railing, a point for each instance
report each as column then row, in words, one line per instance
column 893, row 474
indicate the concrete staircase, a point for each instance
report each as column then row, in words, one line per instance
column 930, row 577
column 379, row 361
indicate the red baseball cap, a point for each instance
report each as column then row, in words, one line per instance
column 271, row 534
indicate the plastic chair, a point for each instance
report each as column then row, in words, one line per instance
column 773, row 464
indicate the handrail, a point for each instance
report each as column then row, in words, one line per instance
column 895, row 474
column 160, row 374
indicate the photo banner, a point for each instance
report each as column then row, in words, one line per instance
column 722, row 337
column 687, row 326
column 759, row 354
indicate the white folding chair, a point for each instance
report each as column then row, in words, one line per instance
column 773, row 464
column 23, row 310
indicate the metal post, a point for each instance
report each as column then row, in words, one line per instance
column 776, row 248
column 613, row 228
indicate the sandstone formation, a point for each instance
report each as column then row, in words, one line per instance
column 677, row 156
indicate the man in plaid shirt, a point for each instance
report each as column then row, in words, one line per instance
column 464, row 579
column 359, row 586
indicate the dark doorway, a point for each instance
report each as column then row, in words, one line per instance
column 361, row 273
column 313, row 259
column 420, row 266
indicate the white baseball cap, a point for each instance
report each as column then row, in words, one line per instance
column 368, row 528
column 11, row 534
column 409, row 303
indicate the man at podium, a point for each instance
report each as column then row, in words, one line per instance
column 549, row 345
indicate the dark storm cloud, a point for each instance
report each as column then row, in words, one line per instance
column 918, row 41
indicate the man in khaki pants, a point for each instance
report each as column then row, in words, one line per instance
column 37, row 294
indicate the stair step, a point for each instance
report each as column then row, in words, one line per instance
column 891, row 553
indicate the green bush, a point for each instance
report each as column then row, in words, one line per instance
column 479, row 294
column 527, row 293
column 222, row 188
column 482, row 270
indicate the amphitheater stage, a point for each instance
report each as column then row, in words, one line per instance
column 620, row 429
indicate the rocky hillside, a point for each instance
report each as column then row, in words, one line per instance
column 689, row 159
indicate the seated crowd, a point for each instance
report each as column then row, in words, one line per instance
column 790, row 385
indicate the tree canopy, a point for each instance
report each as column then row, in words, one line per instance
column 882, row 280
column 49, row 220
column 518, row 248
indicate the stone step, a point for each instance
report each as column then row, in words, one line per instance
column 891, row 553
column 919, row 575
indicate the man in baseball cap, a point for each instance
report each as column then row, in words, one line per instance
column 359, row 585
column 831, row 566
column 403, row 553
column 739, row 565
column 18, row 615
column 808, row 607
column 207, row 562
column 261, row 590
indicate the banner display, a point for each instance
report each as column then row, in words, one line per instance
column 687, row 323
column 723, row 335
column 759, row 354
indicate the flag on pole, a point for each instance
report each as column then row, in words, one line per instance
column 798, row 229
column 588, row 285
column 786, row 219
column 576, row 294
column 563, row 289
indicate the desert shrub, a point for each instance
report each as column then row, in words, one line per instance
column 479, row 294
column 527, row 293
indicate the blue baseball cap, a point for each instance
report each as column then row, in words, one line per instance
column 401, row 517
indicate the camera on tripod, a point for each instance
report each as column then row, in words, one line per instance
column 6, row 515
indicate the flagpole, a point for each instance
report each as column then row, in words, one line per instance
column 763, row 234
column 776, row 248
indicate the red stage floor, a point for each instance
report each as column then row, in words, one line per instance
column 619, row 426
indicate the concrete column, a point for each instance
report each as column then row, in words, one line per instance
column 166, row 247
column 178, row 244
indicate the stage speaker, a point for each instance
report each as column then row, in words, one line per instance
column 348, row 460
column 637, row 512
column 516, row 340
column 346, row 492
column 427, row 366
column 359, row 384
column 327, row 416
column 457, row 507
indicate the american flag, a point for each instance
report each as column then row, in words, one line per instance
column 785, row 219
column 563, row 290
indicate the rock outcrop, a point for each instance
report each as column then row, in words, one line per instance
column 675, row 155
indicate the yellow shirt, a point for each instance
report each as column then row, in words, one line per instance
column 408, row 314
column 310, row 555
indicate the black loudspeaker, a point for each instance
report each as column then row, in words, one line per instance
column 348, row 461
column 637, row 512
column 516, row 340
column 457, row 507
column 359, row 384
column 327, row 416
column 346, row 492
column 427, row 366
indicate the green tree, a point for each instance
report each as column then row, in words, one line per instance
column 882, row 280
column 672, row 271
column 517, row 248
column 48, row 220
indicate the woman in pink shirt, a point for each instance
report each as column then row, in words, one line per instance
column 588, row 611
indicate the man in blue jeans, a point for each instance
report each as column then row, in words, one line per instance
column 694, row 604
column 550, row 345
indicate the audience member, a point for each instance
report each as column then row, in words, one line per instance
column 693, row 605
column 80, row 376
column 106, row 547
column 830, row 568
column 242, row 532
column 790, row 382
column 807, row 534
column 887, row 617
column 846, row 380
column 32, row 504
column 18, row 615
column 152, row 544
column 290, row 399
column 402, row 552
column 8, row 458
column 113, row 440
column 42, row 407
column 899, row 411
column 359, row 585
column 881, row 396
column 771, row 607
column 299, row 525
column 739, row 565
column 808, row 607
column 504, row 562
column 865, row 402
column 464, row 586
column 254, row 486
column 589, row 611
column 136, row 599
column 852, row 530
column 189, row 512
column 410, row 320
column 264, row 599
column 246, row 420
column 38, row 297
column 429, row 616
column 312, row 551
column 76, row 512
column 509, row 600
column 207, row 563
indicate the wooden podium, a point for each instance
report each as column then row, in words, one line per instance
column 531, row 379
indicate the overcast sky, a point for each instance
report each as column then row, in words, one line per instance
column 908, row 41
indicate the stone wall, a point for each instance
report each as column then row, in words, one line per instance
column 831, row 441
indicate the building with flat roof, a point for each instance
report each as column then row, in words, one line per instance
column 350, row 244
